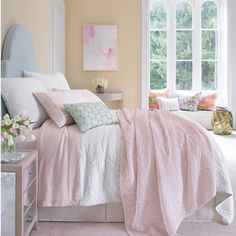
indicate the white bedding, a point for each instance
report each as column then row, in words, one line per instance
column 100, row 166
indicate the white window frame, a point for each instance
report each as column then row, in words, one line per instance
column 196, row 53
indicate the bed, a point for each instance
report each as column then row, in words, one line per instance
column 15, row 59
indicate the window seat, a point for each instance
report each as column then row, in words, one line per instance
column 201, row 117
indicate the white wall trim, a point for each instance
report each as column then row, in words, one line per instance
column 144, row 55
column 232, row 58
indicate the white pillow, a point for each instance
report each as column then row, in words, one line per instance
column 18, row 98
column 168, row 104
column 51, row 82
column 53, row 103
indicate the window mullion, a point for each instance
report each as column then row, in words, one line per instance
column 171, row 53
column 197, row 46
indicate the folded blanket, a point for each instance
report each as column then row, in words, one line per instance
column 167, row 170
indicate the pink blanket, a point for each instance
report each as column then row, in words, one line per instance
column 167, row 171
column 59, row 150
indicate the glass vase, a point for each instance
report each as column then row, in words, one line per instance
column 5, row 147
column 100, row 89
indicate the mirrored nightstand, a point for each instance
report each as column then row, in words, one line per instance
column 19, row 184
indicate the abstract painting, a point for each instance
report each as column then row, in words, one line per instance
column 100, row 47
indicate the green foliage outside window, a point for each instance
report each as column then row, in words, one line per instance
column 158, row 46
column 158, row 16
column 158, row 75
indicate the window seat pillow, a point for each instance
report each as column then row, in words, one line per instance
column 203, row 118
column 168, row 104
column 153, row 95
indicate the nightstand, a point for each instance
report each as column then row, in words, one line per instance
column 111, row 96
column 19, row 184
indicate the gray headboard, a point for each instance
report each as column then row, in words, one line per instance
column 17, row 55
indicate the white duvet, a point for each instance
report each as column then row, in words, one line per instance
column 100, row 166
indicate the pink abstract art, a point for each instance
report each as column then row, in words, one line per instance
column 100, row 47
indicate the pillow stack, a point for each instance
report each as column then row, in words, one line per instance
column 53, row 103
column 41, row 96
column 198, row 101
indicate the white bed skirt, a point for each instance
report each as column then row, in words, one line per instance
column 112, row 212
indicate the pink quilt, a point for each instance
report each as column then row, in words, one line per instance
column 167, row 171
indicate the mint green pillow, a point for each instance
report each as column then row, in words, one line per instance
column 91, row 115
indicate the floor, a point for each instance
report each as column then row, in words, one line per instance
column 227, row 143
column 118, row 229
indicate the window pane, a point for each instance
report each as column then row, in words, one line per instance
column 209, row 75
column 184, row 45
column 209, row 43
column 183, row 75
column 209, row 15
column 158, row 49
column 184, row 16
column 158, row 75
column 158, row 16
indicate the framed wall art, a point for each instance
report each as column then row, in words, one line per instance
column 100, row 48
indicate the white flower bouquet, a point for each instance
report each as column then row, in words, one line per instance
column 100, row 84
column 16, row 128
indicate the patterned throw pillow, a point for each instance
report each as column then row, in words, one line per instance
column 91, row 115
column 189, row 103
column 168, row 104
column 153, row 103
column 207, row 102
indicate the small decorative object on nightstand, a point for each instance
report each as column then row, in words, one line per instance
column 100, row 85
column 111, row 96
column 19, row 194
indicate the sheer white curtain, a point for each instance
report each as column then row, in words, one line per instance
column 232, row 59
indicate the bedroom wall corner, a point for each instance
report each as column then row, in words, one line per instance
column 124, row 14
column 37, row 17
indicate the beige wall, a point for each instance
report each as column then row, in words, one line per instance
column 36, row 16
column 124, row 14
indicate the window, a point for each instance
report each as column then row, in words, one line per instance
column 186, row 47
column 158, row 45
column 184, row 62
column 209, row 55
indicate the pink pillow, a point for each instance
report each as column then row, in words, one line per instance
column 53, row 103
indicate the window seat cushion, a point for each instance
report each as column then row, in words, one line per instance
column 201, row 117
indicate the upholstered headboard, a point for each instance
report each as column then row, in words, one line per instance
column 17, row 55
